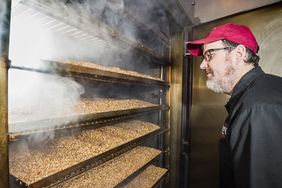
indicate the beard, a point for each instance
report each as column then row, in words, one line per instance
column 222, row 84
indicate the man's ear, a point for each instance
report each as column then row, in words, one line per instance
column 240, row 52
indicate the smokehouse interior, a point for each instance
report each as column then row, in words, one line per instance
column 102, row 93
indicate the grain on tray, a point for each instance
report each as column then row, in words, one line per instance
column 84, row 106
column 87, row 106
column 110, row 69
column 132, row 128
column 33, row 164
column 114, row 171
column 148, row 178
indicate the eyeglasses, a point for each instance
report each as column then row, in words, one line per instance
column 208, row 55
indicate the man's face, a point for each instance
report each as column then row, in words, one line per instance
column 219, row 67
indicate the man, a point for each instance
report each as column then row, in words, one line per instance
column 251, row 142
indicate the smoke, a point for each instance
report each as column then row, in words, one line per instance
column 34, row 97
column 42, row 99
column 117, row 18
column 68, row 30
column 2, row 21
column 36, row 100
column 2, row 10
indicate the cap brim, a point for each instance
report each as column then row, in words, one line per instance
column 195, row 47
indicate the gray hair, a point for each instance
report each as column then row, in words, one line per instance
column 251, row 58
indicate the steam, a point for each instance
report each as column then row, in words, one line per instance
column 2, row 21
column 2, row 11
column 37, row 97
column 42, row 96
column 37, row 36
column 116, row 16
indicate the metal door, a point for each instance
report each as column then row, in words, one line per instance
column 208, row 111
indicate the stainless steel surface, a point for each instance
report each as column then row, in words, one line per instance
column 206, row 11
column 176, row 107
column 4, row 62
column 186, row 112
column 208, row 112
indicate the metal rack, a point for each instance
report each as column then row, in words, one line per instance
column 86, row 27
column 81, row 72
column 135, row 174
column 96, row 120
column 4, row 51
column 89, row 121
column 86, row 165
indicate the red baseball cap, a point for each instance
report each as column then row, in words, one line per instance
column 236, row 33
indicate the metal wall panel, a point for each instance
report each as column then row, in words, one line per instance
column 5, row 7
column 208, row 111
column 176, row 76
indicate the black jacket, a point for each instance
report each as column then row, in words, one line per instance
column 251, row 142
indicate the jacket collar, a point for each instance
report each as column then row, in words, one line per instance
column 242, row 86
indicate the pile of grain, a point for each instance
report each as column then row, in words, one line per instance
column 109, row 69
column 84, row 106
column 87, row 106
column 33, row 164
column 148, row 178
column 114, row 171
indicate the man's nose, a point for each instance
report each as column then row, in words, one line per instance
column 204, row 64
